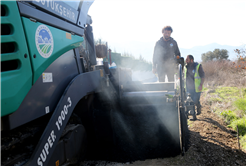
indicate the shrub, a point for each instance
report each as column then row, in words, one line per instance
column 229, row 116
column 241, row 104
column 241, row 123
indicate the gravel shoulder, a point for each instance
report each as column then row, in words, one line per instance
column 212, row 143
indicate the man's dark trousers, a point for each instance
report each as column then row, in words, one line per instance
column 195, row 96
column 167, row 69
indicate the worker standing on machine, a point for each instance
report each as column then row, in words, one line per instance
column 194, row 77
column 165, row 53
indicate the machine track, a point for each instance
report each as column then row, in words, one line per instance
column 18, row 145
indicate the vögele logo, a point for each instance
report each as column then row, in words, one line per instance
column 44, row 41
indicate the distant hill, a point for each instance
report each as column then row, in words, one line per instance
column 146, row 49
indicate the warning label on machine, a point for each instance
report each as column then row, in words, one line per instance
column 47, row 77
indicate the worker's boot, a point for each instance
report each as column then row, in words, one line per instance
column 199, row 108
column 193, row 115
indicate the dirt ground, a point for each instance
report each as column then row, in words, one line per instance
column 212, row 143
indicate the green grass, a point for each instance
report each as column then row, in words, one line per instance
column 190, row 123
column 228, row 93
column 241, row 123
column 229, row 116
column 235, row 115
column 241, row 104
column 243, row 141
column 215, row 99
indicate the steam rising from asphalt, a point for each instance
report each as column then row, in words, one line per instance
column 144, row 76
column 145, row 131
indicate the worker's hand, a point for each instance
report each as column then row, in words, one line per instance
column 200, row 87
column 153, row 71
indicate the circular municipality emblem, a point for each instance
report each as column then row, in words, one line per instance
column 44, row 41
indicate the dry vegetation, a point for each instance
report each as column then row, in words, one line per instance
column 226, row 93
column 225, row 73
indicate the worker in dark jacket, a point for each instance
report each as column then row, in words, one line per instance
column 165, row 53
column 194, row 77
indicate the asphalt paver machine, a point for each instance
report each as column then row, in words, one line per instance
column 59, row 106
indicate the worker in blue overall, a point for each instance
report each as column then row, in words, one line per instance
column 194, row 78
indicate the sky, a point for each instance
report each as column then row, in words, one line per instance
column 194, row 22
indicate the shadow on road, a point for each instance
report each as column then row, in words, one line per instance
column 213, row 122
column 203, row 151
column 206, row 150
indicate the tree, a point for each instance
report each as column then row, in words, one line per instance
column 241, row 53
column 209, row 56
column 220, row 54
column 217, row 54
